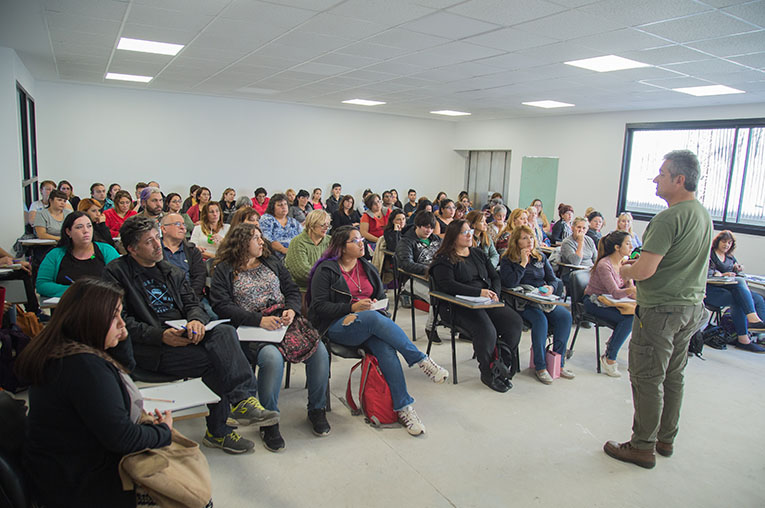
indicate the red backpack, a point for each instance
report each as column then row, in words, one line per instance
column 374, row 393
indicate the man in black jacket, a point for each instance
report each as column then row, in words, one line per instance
column 157, row 292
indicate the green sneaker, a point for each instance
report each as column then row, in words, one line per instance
column 250, row 411
column 230, row 443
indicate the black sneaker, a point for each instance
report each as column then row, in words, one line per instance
column 272, row 438
column 497, row 384
column 433, row 336
column 318, row 419
column 230, row 443
column 759, row 326
column 751, row 347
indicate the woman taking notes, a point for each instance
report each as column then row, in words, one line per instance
column 83, row 407
column 343, row 288
column 613, row 249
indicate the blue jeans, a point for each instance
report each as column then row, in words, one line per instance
column 622, row 325
column 383, row 338
column 560, row 322
column 271, row 368
column 740, row 300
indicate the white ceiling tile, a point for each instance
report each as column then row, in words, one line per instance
column 451, row 26
column 351, row 61
column 101, row 9
column 176, row 20
column 510, row 39
column 399, row 38
column 470, row 69
column 452, row 53
column 213, row 52
column 666, row 55
column 238, row 33
column 679, row 82
column 506, row 12
column 209, row 7
column 389, row 12
column 320, row 68
column 626, row 39
column 633, row 13
column 510, row 61
column 372, row 50
column 370, row 76
column 755, row 60
column 736, row 78
column 558, row 53
column 329, row 24
column 62, row 21
column 725, row 3
column 395, row 67
column 314, row 5
column 701, row 26
column 318, row 42
column 734, row 45
column 84, row 50
column 159, row 34
column 705, row 67
column 569, row 25
column 278, row 15
column 67, row 36
column 274, row 62
column 290, row 52
column 753, row 12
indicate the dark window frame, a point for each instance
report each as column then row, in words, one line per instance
column 28, row 137
column 631, row 128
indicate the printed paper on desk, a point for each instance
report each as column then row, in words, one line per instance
column 380, row 304
column 52, row 300
column 475, row 299
column 180, row 324
column 183, row 395
column 258, row 334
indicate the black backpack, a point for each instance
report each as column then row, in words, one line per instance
column 696, row 346
column 12, row 343
column 717, row 337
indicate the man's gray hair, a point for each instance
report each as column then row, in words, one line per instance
column 134, row 228
column 499, row 209
column 684, row 162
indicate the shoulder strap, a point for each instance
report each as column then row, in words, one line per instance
column 349, row 394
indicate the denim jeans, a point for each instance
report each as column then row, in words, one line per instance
column 560, row 322
column 271, row 368
column 383, row 338
column 740, row 300
column 622, row 325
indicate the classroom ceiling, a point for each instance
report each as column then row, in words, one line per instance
column 485, row 57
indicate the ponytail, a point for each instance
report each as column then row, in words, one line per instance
column 608, row 244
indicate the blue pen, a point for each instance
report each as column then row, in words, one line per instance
column 69, row 279
column 192, row 332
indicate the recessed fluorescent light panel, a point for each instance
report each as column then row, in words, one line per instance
column 548, row 104
column 704, row 91
column 607, row 63
column 363, row 102
column 128, row 77
column 449, row 112
column 160, row 48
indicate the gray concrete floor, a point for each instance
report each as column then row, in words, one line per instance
column 536, row 445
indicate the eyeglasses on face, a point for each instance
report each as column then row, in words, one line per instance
column 357, row 240
column 467, row 232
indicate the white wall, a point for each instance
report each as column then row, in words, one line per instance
column 590, row 151
column 90, row 133
column 12, row 203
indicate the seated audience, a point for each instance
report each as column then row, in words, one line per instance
column 464, row 198
column 624, row 223
column 518, row 217
column 393, row 229
column 396, row 201
column 203, row 197
column 303, row 203
column 173, row 205
column 157, row 292
column 444, row 215
column 48, row 220
column 747, row 308
column 316, row 199
column 242, row 202
column 477, row 221
column 460, row 210
column 123, row 209
column 245, row 214
column 76, row 256
column 113, row 190
column 461, row 269
column 333, row 201
column 343, row 286
column 437, row 202
column 373, row 220
column 211, row 230
column 192, row 199
column 364, row 195
column 542, row 220
column 46, row 186
column 228, row 204
column 152, row 203
column 497, row 224
column 66, row 187
column 139, row 187
column 579, row 249
column 494, row 200
column 84, row 410
column 595, row 220
column 279, row 229
column 423, row 205
column 613, row 249
column 411, row 205
column 97, row 192
column 562, row 229
column 295, row 211
column 101, row 232
column 387, row 200
column 260, row 201
column 523, row 264
column 182, row 253
column 25, row 275
column 253, row 288
column 346, row 215
column 539, row 235
column 307, row 247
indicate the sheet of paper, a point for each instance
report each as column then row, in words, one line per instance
column 380, row 304
column 183, row 395
column 475, row 299
column 38, row 241
column 626, row 299
column 180, row 324
column 258, row 334
column 52, row 301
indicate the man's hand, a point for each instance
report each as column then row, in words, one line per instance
column 195, row 331
column 175, row 338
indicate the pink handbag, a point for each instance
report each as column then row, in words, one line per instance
column 552, row 359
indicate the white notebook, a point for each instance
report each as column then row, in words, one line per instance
column 258, row 334
column 177, row 396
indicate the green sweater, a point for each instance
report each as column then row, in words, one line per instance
column 301, row 256
column 46, row 275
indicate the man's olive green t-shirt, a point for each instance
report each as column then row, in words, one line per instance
column 683, row 235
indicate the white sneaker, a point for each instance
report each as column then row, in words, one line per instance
column 566, row 373
column 435, row 372
column 609, row 369
column 544, row 376
column 409, row 419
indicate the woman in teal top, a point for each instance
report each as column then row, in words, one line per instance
column 76, row 256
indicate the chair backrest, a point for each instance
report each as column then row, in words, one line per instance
column 578, row 280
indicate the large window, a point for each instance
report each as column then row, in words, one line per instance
column 732, row 158
column 28, row 137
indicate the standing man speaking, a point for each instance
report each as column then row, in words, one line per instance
column 671, row 278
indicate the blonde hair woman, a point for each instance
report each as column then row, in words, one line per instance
column 624, row 223
column 307, row 247
column 481, row 238
column 518, row 217
column 211, row 229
